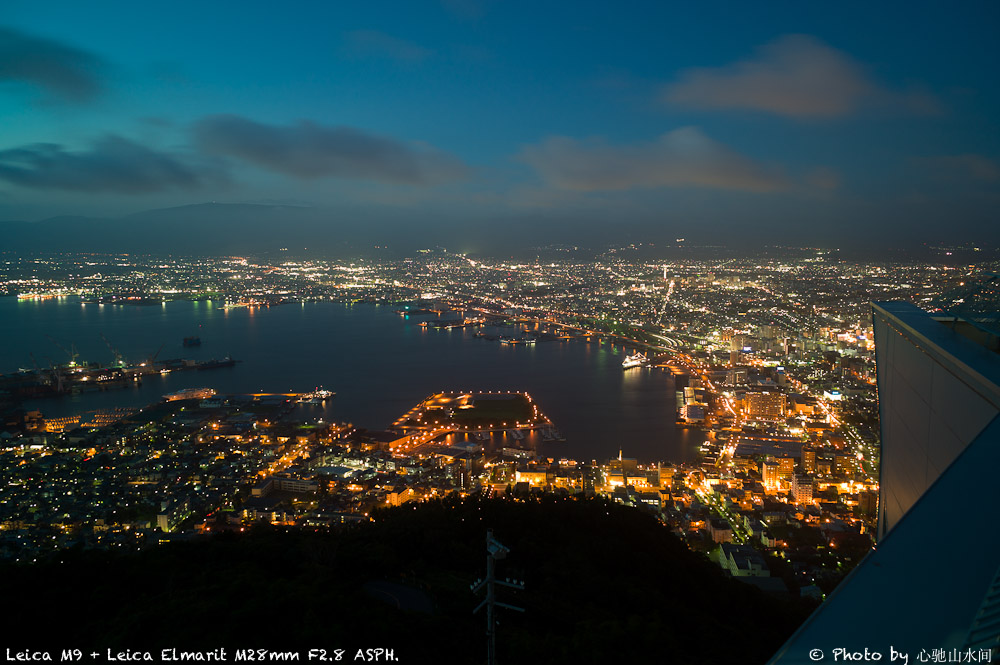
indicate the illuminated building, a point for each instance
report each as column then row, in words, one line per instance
column 627, row 466
column 786, row 467
column 737, row 376
column 770, row 472
column 720, row 530
column 765, row 405
column 934, row 578
column 802, row 488
column 844, row 465
column 533, row 478
column 808, row 460
column 399, row 496
column 173, row 514
column 61, row 424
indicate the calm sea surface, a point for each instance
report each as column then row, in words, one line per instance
column 379, row 363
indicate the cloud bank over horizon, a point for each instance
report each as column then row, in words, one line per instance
column 684, row 157
column 309, row 150
column 113, row 164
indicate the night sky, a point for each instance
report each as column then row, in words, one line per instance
column 824, row 123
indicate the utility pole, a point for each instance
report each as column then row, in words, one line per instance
column 494, row 550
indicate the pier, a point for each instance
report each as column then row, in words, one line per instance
column 478, row 414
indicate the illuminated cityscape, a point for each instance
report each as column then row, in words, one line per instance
column 773, row 358
column 466, row 331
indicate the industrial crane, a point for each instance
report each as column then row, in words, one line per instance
column 73, row 354
column 119, row 359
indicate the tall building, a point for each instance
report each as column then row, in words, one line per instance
column 933, row 581
column 765, row 405
column 868, row 503
column 770, row 472
column 808, row 459
column 786, row 466
column 802, row 488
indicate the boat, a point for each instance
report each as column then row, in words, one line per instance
column 637, row 360
column 215, row 364
column 190, row 393
column 192, row 341
column 318, row 396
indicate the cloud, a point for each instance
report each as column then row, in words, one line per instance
column 114, row 164
column 309, row 150
column 467, row 9
column 374, row 43
column 63, row 71
column 965, row 167
column 797, row 76
column 684, row 157
column 823, row 178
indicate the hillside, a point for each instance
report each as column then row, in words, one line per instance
column 604, row 584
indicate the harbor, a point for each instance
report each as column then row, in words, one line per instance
column 77, row 377
column 379, row 363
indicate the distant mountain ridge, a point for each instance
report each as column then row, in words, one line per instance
column 205, row 228
column 215, row 229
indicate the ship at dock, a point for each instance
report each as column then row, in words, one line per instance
column 190, row 393
column 216, row 364
column 318, row 396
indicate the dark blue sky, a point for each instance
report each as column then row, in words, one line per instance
column 783, row 122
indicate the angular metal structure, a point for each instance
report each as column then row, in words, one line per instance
column 930, row 588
